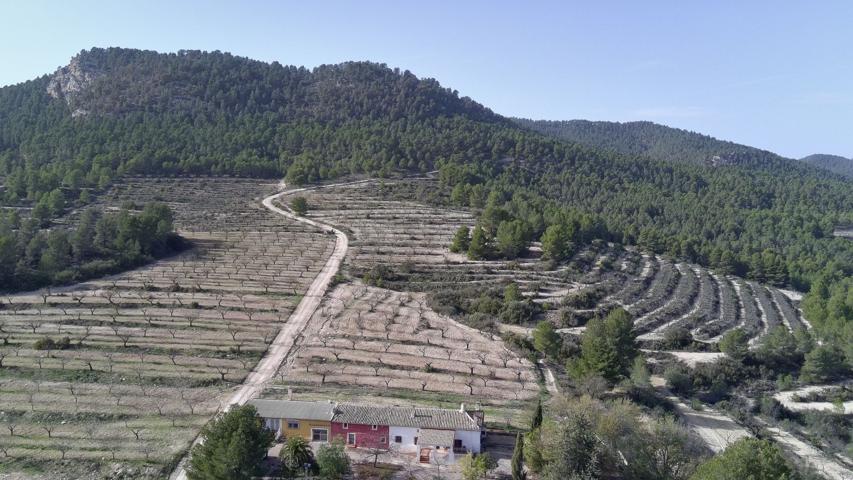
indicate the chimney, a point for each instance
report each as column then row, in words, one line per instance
column 289, row 393
column 461, row 407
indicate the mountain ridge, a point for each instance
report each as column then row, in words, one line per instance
column 120, row 111
column 834, row 163
column 660, row 142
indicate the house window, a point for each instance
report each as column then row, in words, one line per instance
column 381, row 439
column 346, row 426
column 374, row 427
column 292, row 425
column 319, row 435
column 350, row 439
column 416, row 441
column 398, row 439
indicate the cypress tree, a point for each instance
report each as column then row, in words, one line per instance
column 537, row 417
column 518, row 459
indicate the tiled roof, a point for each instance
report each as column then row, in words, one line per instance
column 293, row 409
column 434, row 418
column 435, row 438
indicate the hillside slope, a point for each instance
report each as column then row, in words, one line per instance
column 113, row 112
column 655, row 141
column 833, row 163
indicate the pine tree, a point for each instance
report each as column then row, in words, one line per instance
column 234, row 445
column 479, row 247
column 461, row 240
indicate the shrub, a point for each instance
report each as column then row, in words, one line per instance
column 678, row 337
column 517, row 313
column 47, row 343
column 378, row 275
column 746, row 458
column 735, row 344
column 333, row 461
column 678, row 379
column 299, row 205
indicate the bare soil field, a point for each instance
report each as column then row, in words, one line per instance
column 367, row 340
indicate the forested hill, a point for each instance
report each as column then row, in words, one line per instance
column 658, row 142
column 112, row 112
column 833, row 163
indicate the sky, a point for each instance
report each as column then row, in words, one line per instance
column 775, row 75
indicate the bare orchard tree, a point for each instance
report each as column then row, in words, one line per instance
column 63, row 449
column 505, row 356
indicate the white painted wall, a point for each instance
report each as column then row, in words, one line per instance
column 408, row 434
column 470, row 440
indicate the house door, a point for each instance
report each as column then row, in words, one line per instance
column 350, row 439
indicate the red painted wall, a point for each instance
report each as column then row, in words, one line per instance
column 365, row 437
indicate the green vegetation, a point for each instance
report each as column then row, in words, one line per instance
column 586, row 438
column 295, row 454
column 608, row 347
column 747, row 458
column 461, row 240
column 829, row 308
column 33, row 258
column 477, row 468
column 333, row 461
column 216, row 113
column 517, row 463
column 736, row 209
column 833, row 163
column 299, row 205
column 545, row 340
column 735, row 344
column 234, row 445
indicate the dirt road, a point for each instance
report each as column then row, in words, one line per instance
column 278, row 350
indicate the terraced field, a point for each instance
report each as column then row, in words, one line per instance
column 393, row 344
column 412, row 238
column 122, row 372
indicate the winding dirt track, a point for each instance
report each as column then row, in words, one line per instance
column 278, row 350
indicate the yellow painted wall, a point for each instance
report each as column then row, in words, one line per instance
column 304, row 429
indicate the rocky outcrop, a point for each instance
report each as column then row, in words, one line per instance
column 68, row 82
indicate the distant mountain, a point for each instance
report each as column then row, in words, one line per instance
column 654, row 141
column 65, row 137
column 833, row 163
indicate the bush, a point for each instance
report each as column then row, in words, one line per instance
column 332, row 460
column 678, row 337
column 678, row 379
column 735, row 344
column 770, row 407
column 48, row 343
column 299, row 205
column 378, row 275
column 746, row 459
column 517, row 313
column 477, row 468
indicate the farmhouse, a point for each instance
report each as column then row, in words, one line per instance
column 425, row 431
column 288, row 418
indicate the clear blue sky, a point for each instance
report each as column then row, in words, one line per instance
column 776, row 75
